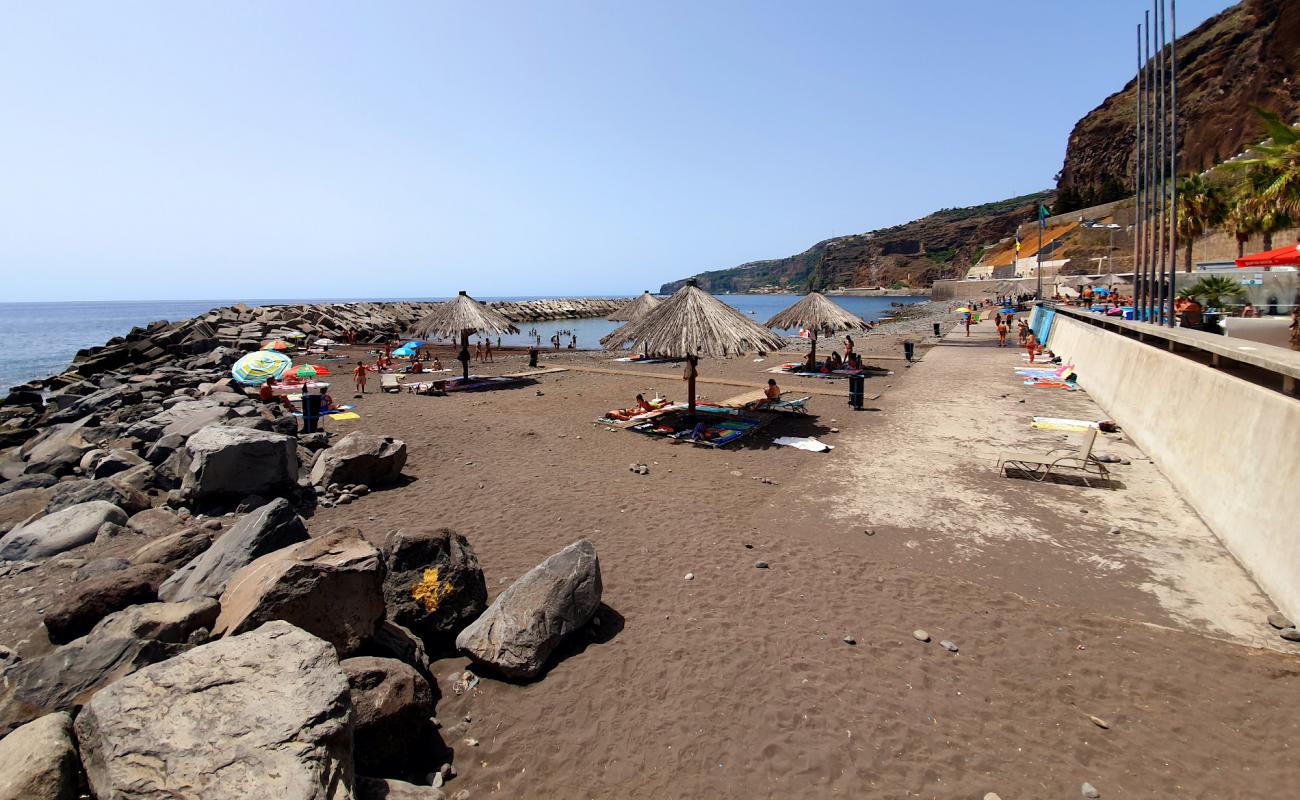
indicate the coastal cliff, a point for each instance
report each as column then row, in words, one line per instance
column 942, row 245
column 1245, row 57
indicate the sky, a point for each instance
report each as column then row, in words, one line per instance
column 161, row 150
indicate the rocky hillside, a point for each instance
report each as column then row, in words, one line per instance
column 941, row 245
column 1247, row 56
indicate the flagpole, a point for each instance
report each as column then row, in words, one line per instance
column 1139, row 284
column 1148, row 201
column 1039, row 254
column 1173, row 150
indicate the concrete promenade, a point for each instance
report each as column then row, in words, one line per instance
column 924, row 477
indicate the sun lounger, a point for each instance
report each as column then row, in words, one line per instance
column 481, row 382
column 390, row 382
column 1039, row 466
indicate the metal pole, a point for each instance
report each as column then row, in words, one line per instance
column 1139, row 289
column 1148, row 157
column 1173, row 149
column 1038, row 212
column 1161, row 141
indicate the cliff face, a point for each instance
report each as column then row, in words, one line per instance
column 942, row 245
column 1246, row 56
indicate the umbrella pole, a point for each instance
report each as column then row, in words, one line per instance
column 691, row 361
column 463, row 357
column 813, row 338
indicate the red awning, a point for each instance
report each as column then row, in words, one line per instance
column 1288, row 256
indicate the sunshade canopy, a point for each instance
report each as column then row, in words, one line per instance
column 1288, row 256
column 462, row 315
column 635, row 309
column 693, row 323
column 818, row 314
column 260, row 366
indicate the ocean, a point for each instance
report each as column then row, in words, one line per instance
column 40, row 339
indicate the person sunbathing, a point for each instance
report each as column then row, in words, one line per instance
column 834, row 362
column 853, row 361
column 772, row 394
column 435, row 365
column 809, row 362
column 642, row 406
column 416, row 367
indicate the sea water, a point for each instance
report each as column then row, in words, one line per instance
column 40, row 339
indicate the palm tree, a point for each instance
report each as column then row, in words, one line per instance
column 1200, row 207
column 1243, row 220
column 1276, row 165
column 1215, row 287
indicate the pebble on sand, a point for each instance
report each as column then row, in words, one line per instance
column 850, row 640
column 690, row 576
column 1099, row 722
column 1088, row 790
column 920, row 635
column 949, row 646
column 992, row 796
column 760, row 565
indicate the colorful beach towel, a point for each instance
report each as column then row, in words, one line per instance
column 1059, row 424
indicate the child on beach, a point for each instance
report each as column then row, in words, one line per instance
column 487, row 350
column 359, row 376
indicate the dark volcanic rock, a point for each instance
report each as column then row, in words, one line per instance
column 74, row 612
column 434, row 586
column 393, row 710
column 360, row 458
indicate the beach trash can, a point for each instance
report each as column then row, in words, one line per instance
column 937, row 332
column 857, row 389
column 310, row 412
column 532, row 357
column 909, row 349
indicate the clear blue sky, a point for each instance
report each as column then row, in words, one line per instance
column 191, row 150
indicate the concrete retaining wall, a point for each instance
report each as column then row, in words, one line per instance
column 1228, row 445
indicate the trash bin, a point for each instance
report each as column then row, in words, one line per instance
column 909, row 348
column 310, row 412
column 532, row 357
column 937, row 332
column 857, row 388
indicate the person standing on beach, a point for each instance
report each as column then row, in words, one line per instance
column 969, row 317
column 848, row 346
column 1031, row 344
column 478, row 350
column 1002, row 332
column 359, row 376
column 487, row 349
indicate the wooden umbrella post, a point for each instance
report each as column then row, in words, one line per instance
column 691, row 362
column 463, row 356
column 812, row 337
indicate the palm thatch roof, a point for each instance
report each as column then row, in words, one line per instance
column 635, row 309
column 464, row 314
column 693, row 323
column 816, row 313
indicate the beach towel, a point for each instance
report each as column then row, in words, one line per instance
column 1059, row 424
column 346, row 415
column 1051, row 383
column 804, row 443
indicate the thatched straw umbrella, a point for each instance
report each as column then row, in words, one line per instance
column 463, row 316
column 635, row 309
column 690, row 324
column 818, row 316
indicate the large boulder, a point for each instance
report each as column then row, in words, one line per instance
column 74, row 611
column 360, row 458
column 58, row 450
column 110, row 490
column 60, row 531
column 163, row 622
column 39, row 761
column 155, row 522
column 434, row 586
column 17, row 507
column 391, row 789
column 330, row 586
column 262, row 715
column 174, row 549
column 116, row 461
column 526, row 622
column 37, row 480
column 392, row 711
column 182, row 419
column 268, row 528
column 68, row 676
column 224, row 460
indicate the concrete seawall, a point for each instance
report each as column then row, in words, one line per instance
column 1227, row 445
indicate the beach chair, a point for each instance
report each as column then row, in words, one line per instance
column 1038, row 466
column 390, row 382
column 795, row 405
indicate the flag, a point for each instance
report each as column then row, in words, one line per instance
column 1043, row 213
column 1017, row 244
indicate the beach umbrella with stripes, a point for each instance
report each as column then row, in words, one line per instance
column 276, row 344
column 259, row 367
column 690, row 324
column 309, row 371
